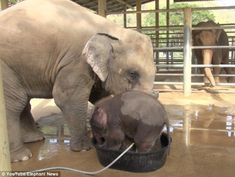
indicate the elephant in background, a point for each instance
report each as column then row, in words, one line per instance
column 132, row 116
column 58, row 49
column 211, row 37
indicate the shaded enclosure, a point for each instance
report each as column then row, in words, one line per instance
column 202, row 124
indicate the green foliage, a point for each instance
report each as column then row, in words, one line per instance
column 14, row 1
column 177, row 18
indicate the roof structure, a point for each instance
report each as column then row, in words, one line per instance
column 112, row 5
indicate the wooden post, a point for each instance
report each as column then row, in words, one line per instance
column 167, row 32
column 157, row 32
column 5, row 164
column 102, row 8
column 124, row 18
column 138, row 15
column 3, row 4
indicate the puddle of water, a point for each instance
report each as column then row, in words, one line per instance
column 51, row 147
column 204, row 125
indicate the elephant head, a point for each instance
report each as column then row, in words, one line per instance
column 207, row 37
column 121, row 64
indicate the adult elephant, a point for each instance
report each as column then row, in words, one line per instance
column 211, row 37
column 56, row 48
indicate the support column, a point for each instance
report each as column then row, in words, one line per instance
column 167, row 32
column 157, row 32
column 124, row 18
column 187, row 50
column 5, row 164
column 138, row 15
column 102, row 9
column 3, row 4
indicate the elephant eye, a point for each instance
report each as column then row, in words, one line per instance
column 133, row 76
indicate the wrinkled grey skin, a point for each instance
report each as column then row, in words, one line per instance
column 211, row 37
column 58, row 49
column 132, row 116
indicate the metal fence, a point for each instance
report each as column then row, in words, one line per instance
column 174, row 52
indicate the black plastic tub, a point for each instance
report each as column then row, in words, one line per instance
column 136, row 162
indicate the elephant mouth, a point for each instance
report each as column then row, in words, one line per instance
column 98, row 141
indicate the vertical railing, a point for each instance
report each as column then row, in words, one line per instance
column 187, row 50
column 102, row 9
column 138, row 15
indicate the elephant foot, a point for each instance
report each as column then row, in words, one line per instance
column 85, row 144
column 209, row 85
column 32, row 136
column 21, row 154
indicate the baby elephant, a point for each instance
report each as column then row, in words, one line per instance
column 132, row 116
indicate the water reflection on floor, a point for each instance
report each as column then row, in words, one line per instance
column 203, row 144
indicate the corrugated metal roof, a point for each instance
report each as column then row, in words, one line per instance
column 112, row 5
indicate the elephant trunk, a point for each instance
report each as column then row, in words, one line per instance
column 207, row 60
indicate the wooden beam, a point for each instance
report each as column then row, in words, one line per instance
column 5, row 164
column 3, row 4
column 138, row 15
column 125, row 3
column 102, row 9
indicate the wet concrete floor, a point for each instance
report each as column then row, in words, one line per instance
column 202, row 130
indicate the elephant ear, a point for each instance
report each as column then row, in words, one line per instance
column 99, row 118
column 218, row 33
column 98, row 51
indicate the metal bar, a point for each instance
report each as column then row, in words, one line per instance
column 4, row 144
column 192, row 84
column 193, row 75
column 175, row 10
column 214, row 27
column 146, row 11
column 213, row 66
column 167, row 48
column 187, row 50
column 194, row 47
column 164, row 28
column 213, row 47
column 195, row 27
column 198, row 65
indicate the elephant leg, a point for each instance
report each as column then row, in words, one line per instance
column 228, row 71
column 217, row 58
column 216, row 71
column 207, row 60
column 15, row 100
column 29, row 130
column 71, row 93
